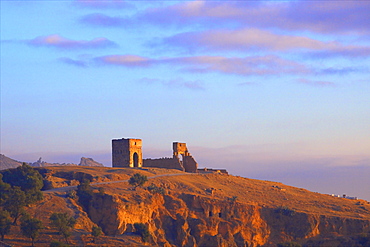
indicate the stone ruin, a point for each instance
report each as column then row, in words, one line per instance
column 128, row 153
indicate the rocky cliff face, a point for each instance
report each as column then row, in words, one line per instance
column 191, row 220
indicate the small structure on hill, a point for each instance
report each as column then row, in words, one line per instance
column 128, row 153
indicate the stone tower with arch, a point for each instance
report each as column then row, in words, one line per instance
column 127, row 153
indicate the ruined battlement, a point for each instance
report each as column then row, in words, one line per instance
column 128, row 153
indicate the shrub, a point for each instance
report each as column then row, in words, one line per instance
column 285, row 211
column 156, row 190
column 96, row 231
column 85, row 194
column 71, row 194
column 138, row 180
column 143, row 231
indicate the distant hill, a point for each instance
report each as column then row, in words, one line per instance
column 41, row 163
column 7, row 163
column 89, row 162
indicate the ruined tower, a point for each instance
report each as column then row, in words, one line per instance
column 127, row 153
column 180, row 149
column 181, row 153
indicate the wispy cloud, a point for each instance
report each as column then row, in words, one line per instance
column 316, row 16
column 252, row 65
column 246, row 39
column 257, row 39
column 342, row 70
column 57, row 41
column 98, row 19
column 74, row 62
column 175, row 83
column 316, row 83
column 125, row 60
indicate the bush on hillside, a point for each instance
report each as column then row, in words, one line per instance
column 138, row 180
column 285, row 211
column 85, row 194
column 156, row 190
column 143, row 231
column 28, row 179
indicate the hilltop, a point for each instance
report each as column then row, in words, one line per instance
column 197, row 210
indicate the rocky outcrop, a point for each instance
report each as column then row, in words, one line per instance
column 89, row 162
column 7, row 163
column 41, row 163
column 192, row 220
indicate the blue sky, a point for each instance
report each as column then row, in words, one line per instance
column 274, row 90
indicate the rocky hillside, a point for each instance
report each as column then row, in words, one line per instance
column 7, row 163
column 199, row 210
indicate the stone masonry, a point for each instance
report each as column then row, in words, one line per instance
column 127, row 153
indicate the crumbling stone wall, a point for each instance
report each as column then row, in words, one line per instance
column 190, row 165
column 128, row 153
column 188, row 162
column 169, row 163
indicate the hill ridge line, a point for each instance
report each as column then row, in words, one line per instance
column 67, row 188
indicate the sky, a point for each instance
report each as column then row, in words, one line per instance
column 272, row 90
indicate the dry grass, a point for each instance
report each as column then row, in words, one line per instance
column 248, row 191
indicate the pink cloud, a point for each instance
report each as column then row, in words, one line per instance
column 257, row 39
column 316, row 16
column 246, row 39
column 60, row 42
column 340, row 17
column 244, row 66
column 253, row 65
column 125, row 60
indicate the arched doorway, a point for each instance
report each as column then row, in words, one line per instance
column 136, row 160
